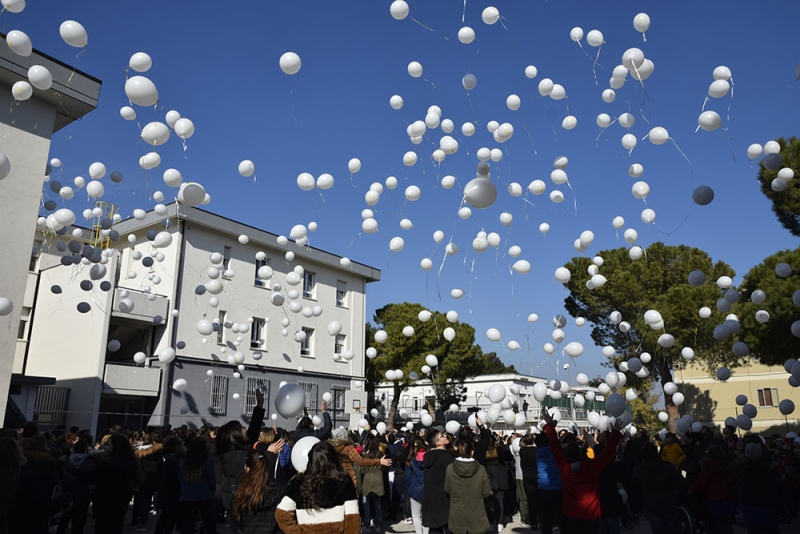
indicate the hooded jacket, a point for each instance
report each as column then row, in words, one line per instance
column 152, row 461
column 324, row 432
column 415, row 477
column 349, row 456
column 435, row 502
column 581, row 498
column 467, row 483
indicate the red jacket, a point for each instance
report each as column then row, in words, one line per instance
column 715, row 483
column 581, row 498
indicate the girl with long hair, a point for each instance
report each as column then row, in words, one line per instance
column 259, row 492
column 322, row 500
column 117, row 477
column 198, row 481
column 415, row 481
column 371, row 484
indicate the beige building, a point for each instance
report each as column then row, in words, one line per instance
column 711, row 401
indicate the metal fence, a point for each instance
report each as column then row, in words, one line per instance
column 50, row 408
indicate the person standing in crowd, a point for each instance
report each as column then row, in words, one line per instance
column 370, row 484
column 151, row 460
column 716, row 488
column 435, row 503
column 306, row 428
column 467, row 483
column 550, row 490
column 348, row 455
column 81, row 466
column 231, row 448
column 498, row 480
column 415, row 481
column 530, row 473
column 23, row 496
column 610, row 498
column 580, row 477
column 398, row 451
column 660, row 484
column 169, row 490
column 672, row 451
column 198, row 481
column 759, row 488
column 116, row 478
column 259, row 492
column 321, row 500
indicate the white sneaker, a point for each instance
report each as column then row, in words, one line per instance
column 500, row 528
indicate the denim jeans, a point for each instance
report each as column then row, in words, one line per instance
column 374, row 502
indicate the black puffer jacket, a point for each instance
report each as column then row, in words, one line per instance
column 435, row 502
column 262, row 519
column 498, row 477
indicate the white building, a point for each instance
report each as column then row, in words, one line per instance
column 421, row 396
column 150, row 299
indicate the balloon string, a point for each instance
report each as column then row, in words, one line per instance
column 431, row 29
column 730, row 103
column 703, row 108
column 530, row 137
column 574, row 197
column 463, row 12
column 644, row 37
column 681, row 151
column 430, row 82
column 679, row 226
column 597, row 141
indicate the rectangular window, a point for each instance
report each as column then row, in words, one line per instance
column 36, row 251
column 258, row 334
column 416, row 405
column 221, row 327
column 251, row 385
column 310, row 390
column 767, row 397
column 307, row 346
column 341, row 294
column 226, row 260
column 218, row 403
column 258, row 281
column 337, row 403
column 338, row 347
column 309, row 285
column 24, row 320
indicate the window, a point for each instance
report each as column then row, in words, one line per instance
column 307, row 346
column 258, row 281
column 226, row 260
column 337, row 403
column 24, row 320
column 221, row 327
column 310, row 390
column 416, row 405
column 338, row 347
column 251, row 385
column 218, row 403
column 308, row 284
column 257, row 334
column 35, row 253
column 767, row 397
column 341, row 294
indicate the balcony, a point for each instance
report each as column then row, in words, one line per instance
column 131, row 380
column 144, row 309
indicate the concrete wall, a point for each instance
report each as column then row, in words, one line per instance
column 69, row 345
column 712, row 401
column 25, row 130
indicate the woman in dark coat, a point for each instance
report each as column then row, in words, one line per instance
column 152, row 461
column 23, row 497
column 498, row 478
column 435, row 503
column 232, row 444
column 116, row 477
column 259, row 492
column 169, row 491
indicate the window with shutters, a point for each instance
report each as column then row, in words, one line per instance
column 218, row 402
column 258, row 331
column 258, row 281
column 221, row 327
column 767, row 397
column 307, row 345
column 310, row 390
column 341, row 293
column 309, row 285
column 252, row 384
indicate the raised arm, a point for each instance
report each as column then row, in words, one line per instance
column 254, row 429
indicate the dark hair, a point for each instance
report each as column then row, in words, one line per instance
column 250, row 491
column 229, row 437
column 415, row 445
column 305, row 422
column 196, row 456
column 432, row 437
column 492, row 451
column 80, row 446
column 372, row 447
column 121, row 449
column 323, row 464
column 30, row 429
column 527, row 439
column 540, row 440
column 465, row 448
column 649, row 451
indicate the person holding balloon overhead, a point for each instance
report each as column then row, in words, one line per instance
column 305, row 426
column 580, row 478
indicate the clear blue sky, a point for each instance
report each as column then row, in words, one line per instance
column 217, row 64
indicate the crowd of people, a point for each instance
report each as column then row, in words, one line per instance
column 474, row 482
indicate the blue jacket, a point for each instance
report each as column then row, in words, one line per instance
column 202, row 490
column 415, row 479
column 549, row 475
